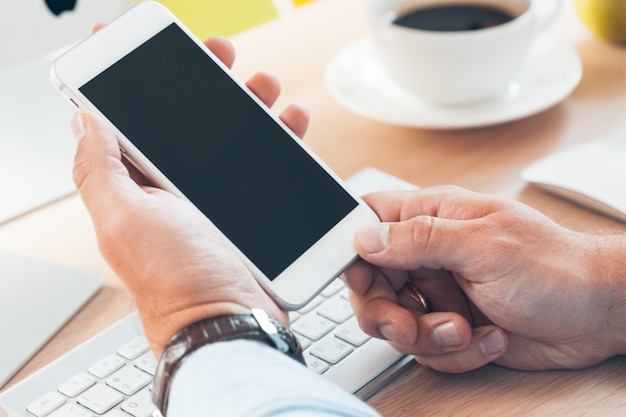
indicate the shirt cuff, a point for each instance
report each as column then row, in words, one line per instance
column 248, row 378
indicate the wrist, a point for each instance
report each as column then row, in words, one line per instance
column 612, row 257
column 160, row 326
column 255, row 325
column 165, row 314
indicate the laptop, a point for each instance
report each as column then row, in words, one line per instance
column 36, row 157
column 36, row 154
column 32, row 28
column 36, row 146
column 36, row 299
column 118, row 365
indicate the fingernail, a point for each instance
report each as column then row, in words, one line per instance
column 388, row 332
column 374, row 238
column 492, row 343
column 77, row 125
column 446, row 335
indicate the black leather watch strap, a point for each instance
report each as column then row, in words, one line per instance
column 256, row 325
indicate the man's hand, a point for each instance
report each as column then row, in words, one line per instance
column 162, row 247
column 506, row 284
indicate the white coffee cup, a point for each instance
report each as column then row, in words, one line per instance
column 456, row 67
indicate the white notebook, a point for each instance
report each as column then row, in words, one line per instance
column 36, row 299
column 591, row 174
column 36, row 146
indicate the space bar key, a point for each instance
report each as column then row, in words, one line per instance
column 363, row 365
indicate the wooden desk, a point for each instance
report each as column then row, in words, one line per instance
column 488, row 160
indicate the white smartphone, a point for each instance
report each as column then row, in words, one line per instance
column 193, row 129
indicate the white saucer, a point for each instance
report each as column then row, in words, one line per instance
column 358, row 82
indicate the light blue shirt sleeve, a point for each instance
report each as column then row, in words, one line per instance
column 250, row 379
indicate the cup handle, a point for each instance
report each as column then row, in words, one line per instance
column 548, row 9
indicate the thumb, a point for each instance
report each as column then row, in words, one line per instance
column 422, row 241
column 99, row 174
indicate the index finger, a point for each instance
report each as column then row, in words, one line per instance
column 448, row 201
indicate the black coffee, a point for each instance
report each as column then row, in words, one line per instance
column 451, row 18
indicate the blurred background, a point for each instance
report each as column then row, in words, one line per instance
column 33, row 27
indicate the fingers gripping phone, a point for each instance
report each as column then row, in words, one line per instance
column 191, row 128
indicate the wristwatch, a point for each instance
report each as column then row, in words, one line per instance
column 256, row 325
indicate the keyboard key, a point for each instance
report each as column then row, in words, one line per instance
column 147, row 363
column 129, row 380
column 70, row 410
column 139, row 405
column 315, row 364
column 313, row 326
column 331, row 349
column 304, row 342
column 293, row 316
column 45, row 404
column 363, row 364
column 100, row 398
column 134, row 348
column 345, row 294
column 115, row 413
column 332, row 288
column 336, row 309
column 77, row 384
column 312, row 304
column 351, row 332
column 106, row 366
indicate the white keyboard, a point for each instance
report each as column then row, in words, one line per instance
column 111, row 374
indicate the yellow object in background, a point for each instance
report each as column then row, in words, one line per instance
column 301, row 2
column 605, row 18
column 221, row 17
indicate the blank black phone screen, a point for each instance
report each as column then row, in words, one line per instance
column 225, row 153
